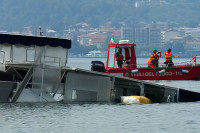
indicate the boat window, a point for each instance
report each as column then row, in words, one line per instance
column 111, row 57
column 30, row 54
column 18, row 54
column 52, row 61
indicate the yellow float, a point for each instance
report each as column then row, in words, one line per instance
column 134, row 99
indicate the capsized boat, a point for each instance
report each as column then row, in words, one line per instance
column 188, row 71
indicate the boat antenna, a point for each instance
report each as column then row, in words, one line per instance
column 40, row 31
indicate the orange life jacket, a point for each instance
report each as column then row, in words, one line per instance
column 150, row 64
column 168, row 56
column 156, row 57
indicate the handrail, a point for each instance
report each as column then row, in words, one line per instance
column 22, row 85
column 24, row 82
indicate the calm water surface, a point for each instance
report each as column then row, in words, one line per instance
column 102, row 117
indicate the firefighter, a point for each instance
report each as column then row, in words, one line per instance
column 168, row 58
column 150, row 62
column 156, row 55
column 119, row 58
column 153, row 60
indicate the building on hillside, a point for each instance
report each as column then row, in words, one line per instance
column 169, row 34
column 92, row 39
column 140, row 3
column 85, row 40
column 91, row 36
column 154, row 36
column 193, row 45
column 157, row 2
column 162, row 25
column 195, row 33
column 127, row 33
column 109, row 31
column 69, row 34
column 179, row 39
column 142, row 34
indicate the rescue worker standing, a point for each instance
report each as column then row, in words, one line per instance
column 153, row 60
column 119, row 58
column 156, row 55
column 168, row 58
column 150, row 62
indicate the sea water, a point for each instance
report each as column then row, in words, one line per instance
column 103, row 117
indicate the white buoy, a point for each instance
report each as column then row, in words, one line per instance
column 74, row 68
column 134, row 71
column 184, row 71
column 129, row 100
column 161, row 71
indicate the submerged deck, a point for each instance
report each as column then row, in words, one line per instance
column 112, row 87
column 79, row 85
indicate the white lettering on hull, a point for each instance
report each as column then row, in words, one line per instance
column 150, row 74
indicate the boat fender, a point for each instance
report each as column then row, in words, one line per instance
column 184, row 71
column 161, row 71
column 135, row 71
column 134, row 99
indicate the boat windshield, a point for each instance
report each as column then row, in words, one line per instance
column 111, row 61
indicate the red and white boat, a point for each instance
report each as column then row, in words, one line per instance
column 188, row 71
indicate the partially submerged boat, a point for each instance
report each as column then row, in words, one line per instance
column 34, row 69
column 187, row 71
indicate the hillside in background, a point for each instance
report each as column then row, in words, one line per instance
column 61, row 14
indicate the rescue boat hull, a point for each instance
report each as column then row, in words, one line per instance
column 130, row 68
column 187, row 72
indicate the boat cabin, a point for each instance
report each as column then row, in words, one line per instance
column 31, row 65
column 20, row 49
column 128, row 51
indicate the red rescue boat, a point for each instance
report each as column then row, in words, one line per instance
column 187, row 71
